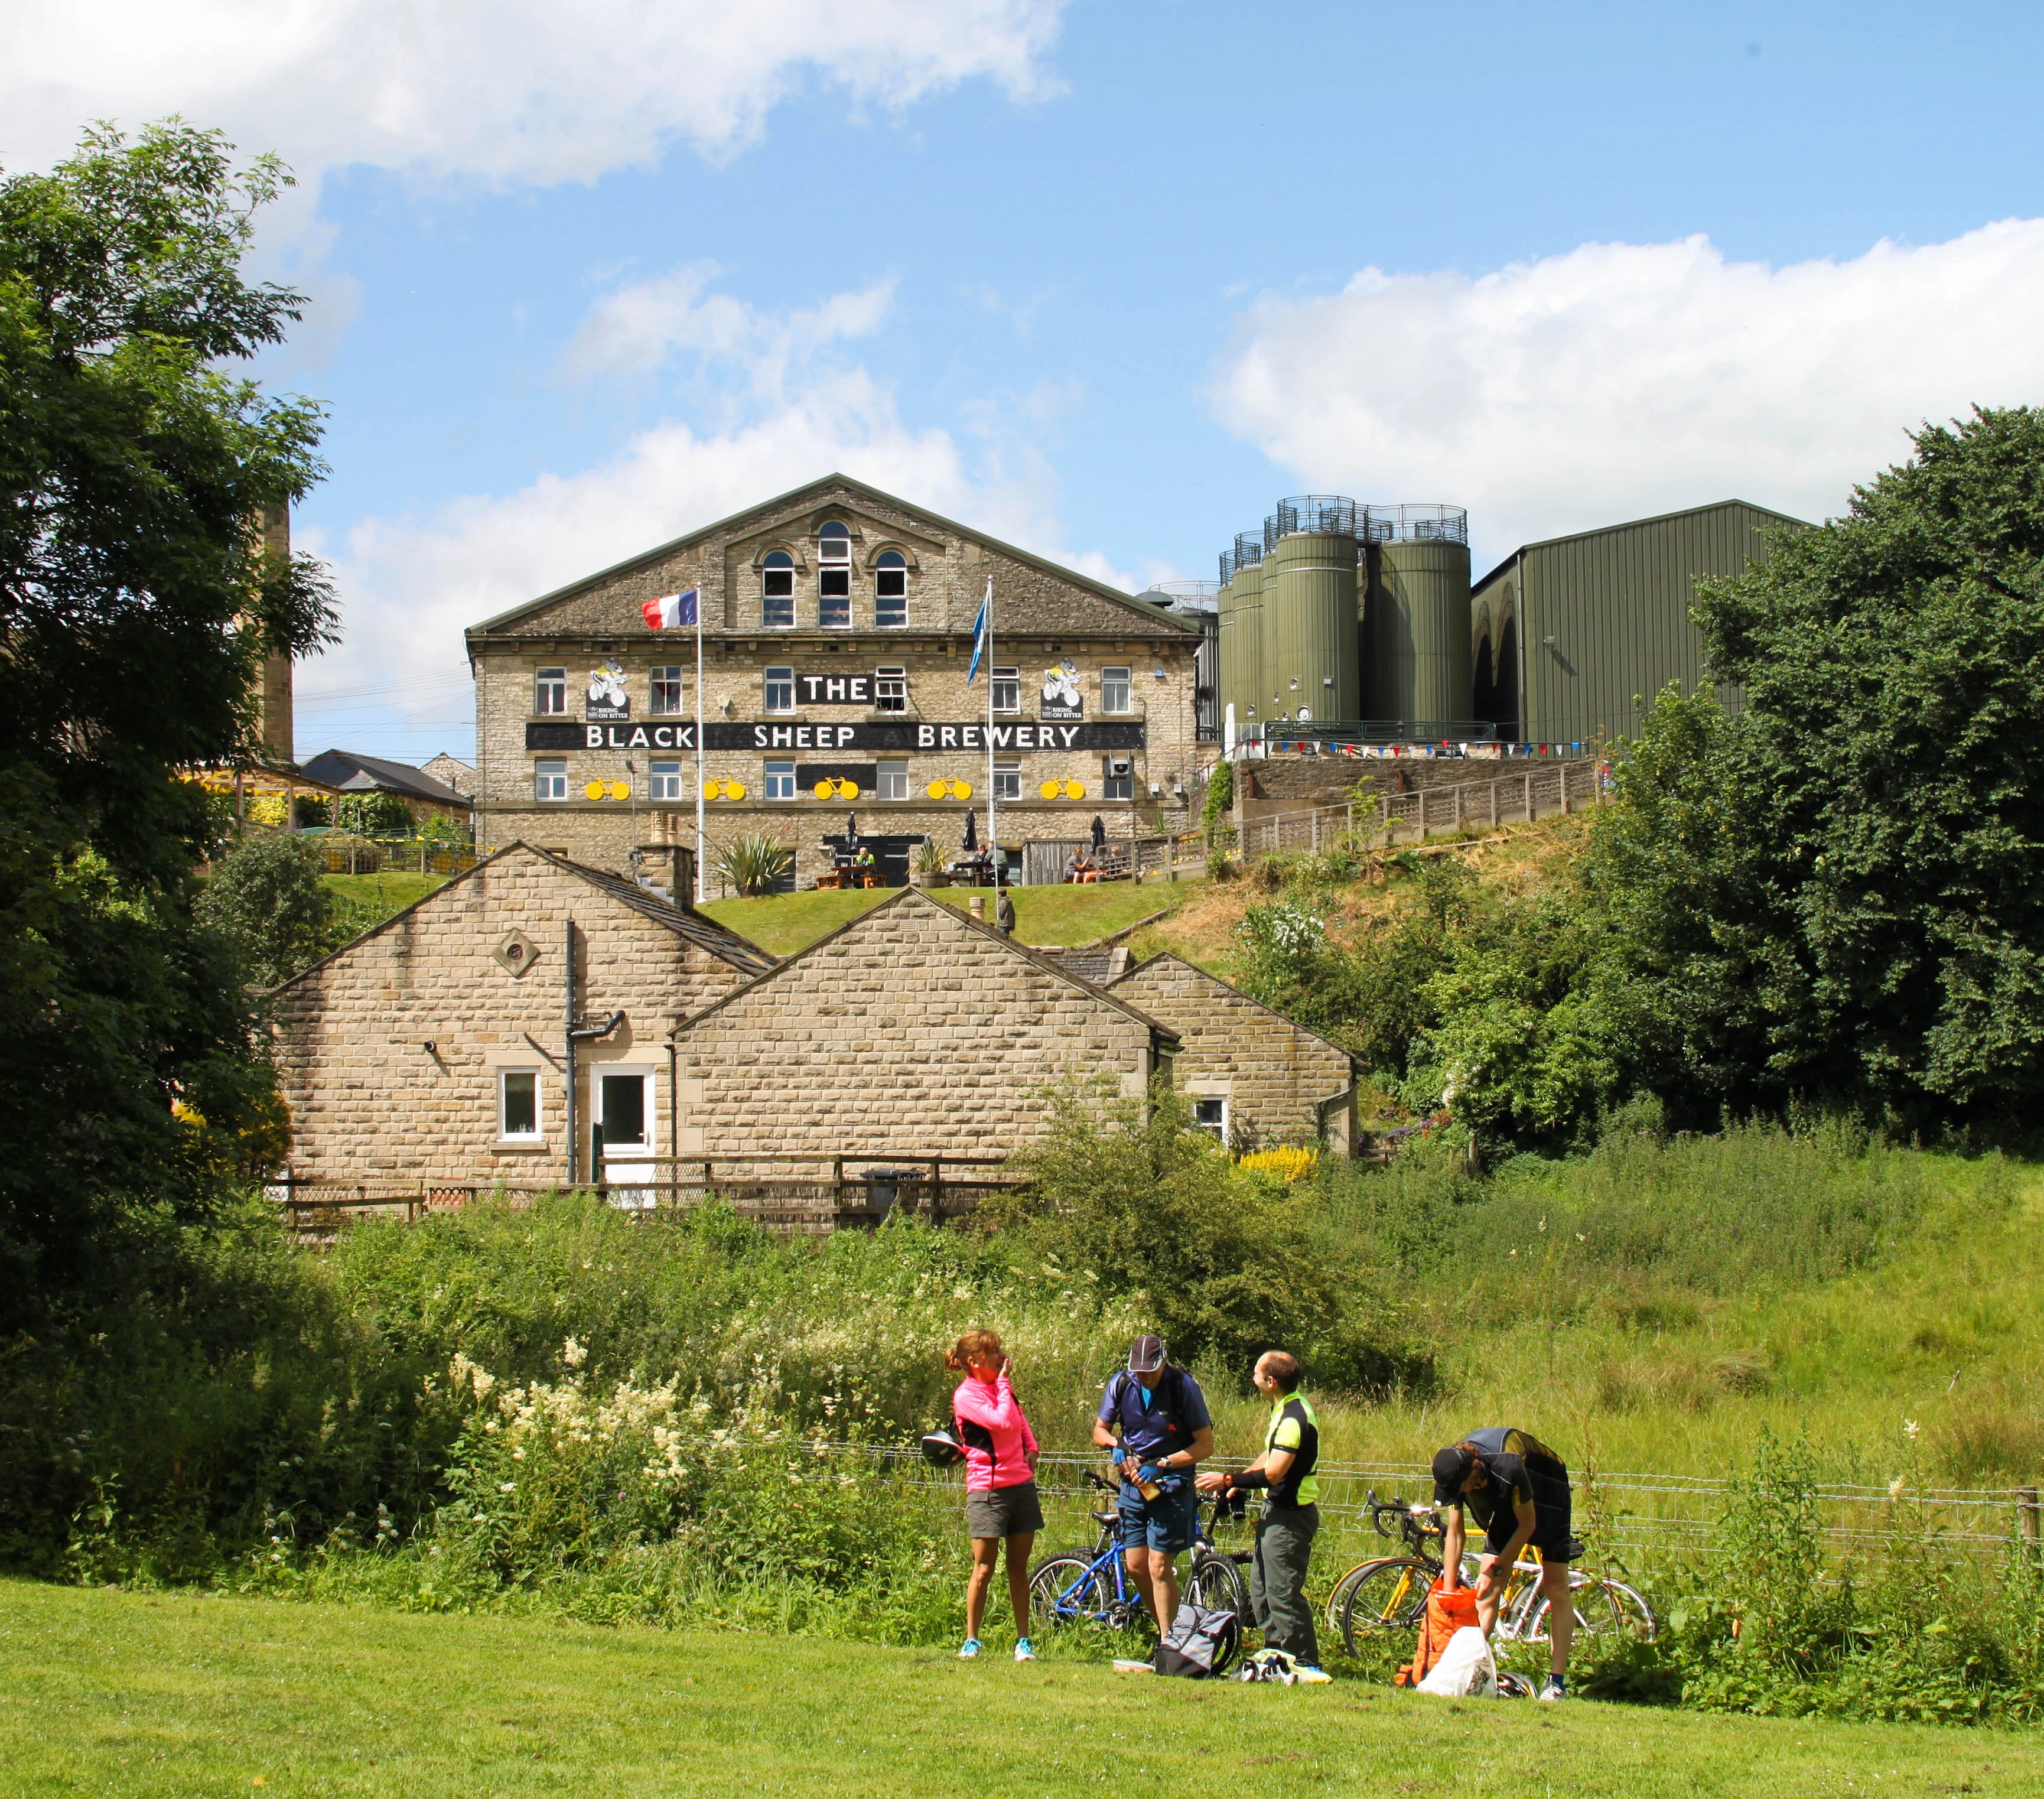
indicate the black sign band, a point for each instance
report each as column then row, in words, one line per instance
column 901, row 738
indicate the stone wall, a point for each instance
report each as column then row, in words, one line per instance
column 912, row 1030
column 1276, row 1076
column 369, row 1101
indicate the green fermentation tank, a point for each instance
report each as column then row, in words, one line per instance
column 1417, row 633
column 1245, row 685
column 1310, row 661
column 1225, row 650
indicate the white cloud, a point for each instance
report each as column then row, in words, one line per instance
column 410, row 586
column 502, row 91
column 1621, row 380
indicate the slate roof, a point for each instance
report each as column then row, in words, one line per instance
column 369, row 774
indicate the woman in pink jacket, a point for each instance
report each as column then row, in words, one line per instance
column 1000, row 1502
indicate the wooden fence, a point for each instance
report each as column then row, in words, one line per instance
column 803, row 1194
column 1543, row 790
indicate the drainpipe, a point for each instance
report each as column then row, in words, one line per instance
column 575, row 1034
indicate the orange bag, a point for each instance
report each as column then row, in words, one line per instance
column 1446, row 1613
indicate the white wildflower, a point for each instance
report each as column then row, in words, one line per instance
column 574, row 1354
column 1912, row 1429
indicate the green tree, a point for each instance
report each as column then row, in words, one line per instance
column 135, row 602
column 266, row 897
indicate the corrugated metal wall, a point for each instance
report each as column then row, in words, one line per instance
column 1604, row 618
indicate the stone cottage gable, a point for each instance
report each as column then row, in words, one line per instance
column 1277, row 1078
column 951, row 560
column 912, row 1028
column 390, row 1050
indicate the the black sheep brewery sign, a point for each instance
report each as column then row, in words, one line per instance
column 888, row 738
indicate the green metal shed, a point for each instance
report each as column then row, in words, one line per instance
column 1570, row 636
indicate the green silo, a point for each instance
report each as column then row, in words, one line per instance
column 1417, row 623
column 1245, row 686
column 1310, row 659
column 1225, row 651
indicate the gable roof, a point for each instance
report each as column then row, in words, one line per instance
column 1194, row 968
column 913, row 896
column 1633, row 525
column 364, row 773
column 505, row 620
column 706, row 933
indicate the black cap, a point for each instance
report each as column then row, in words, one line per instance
column 1451, row 1468
column 1146, row 1355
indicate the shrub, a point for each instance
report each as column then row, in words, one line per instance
column 266, row 898
column 1219, row 800
column 752, row 863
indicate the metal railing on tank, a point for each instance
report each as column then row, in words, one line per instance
column 1370, row 730
column 1331, row 512
column 1416, row 524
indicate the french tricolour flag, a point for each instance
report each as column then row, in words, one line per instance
column 665, row 614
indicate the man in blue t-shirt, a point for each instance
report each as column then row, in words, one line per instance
column 1165, row 1434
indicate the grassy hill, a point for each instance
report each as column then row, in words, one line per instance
column 784, row 923
column 149, row 1694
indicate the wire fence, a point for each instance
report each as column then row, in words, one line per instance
column 1630, row 1519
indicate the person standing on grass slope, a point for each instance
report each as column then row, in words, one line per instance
column 1517, row 1489
column 1166, row 1433
column 1000, row 1501
column 1291, row 1516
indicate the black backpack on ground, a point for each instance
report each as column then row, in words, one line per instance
column 1200, row 1644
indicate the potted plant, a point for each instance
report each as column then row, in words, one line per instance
column 927, row 869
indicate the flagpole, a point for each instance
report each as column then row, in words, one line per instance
column 701, row 890
column 992, row 828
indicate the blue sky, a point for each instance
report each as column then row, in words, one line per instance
column 1096, row 277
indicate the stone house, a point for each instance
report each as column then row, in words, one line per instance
column 1253, row 1076
column 838, row 632
column 434, row 1048
column 912, row 1028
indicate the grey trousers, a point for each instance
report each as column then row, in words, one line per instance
column 1278, row 1580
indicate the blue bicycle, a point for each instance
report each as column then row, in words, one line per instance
column 1076, row 1586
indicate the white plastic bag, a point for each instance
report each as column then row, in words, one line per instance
column 1464, row 1670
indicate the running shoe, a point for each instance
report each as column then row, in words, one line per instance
column 970, row 1650
column 1310, row 1676
column 1024, row 1652
column 1557, row 1688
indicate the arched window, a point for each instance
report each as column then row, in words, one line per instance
column 890, row 589
column 777, row 588
column 834, row 577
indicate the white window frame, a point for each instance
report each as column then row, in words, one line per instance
column 890, row 688
column 1218, row 1132
column 505, row 1133
column 546, row 771
column 1007, row 688
column 890, row 610
column 776, row 772
column 550, row 684
column 769, row 575
column 667, row 782
column 834, row 576
column 891, row 780
column 1007, row 779
column 1109, row 780
column 1121, row 679
column 663, row 690
column 768, row 683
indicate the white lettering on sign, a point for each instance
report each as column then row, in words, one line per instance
column 640, row 740
column 845, row 734
column 859, row 693
column 948, row 737
column 834, row 689
column 1068, row 732
column 926, row 736
column 594, row 740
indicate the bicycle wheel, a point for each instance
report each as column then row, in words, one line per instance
column 1216, row 1584
column 1387, row 1595
column 1604, row 1608
column 1337, row 1599
column 1067, row 1588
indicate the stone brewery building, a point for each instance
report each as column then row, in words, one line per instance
column 479, row 1036
column 837, row 635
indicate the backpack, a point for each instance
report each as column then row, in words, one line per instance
column 1446, row 1613
column 1201, row 1643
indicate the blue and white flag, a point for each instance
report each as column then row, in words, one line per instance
column 671, row 610
column 979, row 629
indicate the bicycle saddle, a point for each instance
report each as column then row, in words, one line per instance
column 1106, row 1518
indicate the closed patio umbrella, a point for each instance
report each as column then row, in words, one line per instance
column 971, row 830
column 1099, row 832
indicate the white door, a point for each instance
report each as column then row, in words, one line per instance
column 624, row 1111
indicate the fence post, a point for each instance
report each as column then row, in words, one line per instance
column 1316, row 830
column 2030, row 1522
column 1565, row 790
column 1349, row 830
column 1384, row 824
column 1529, row 796
column 1459, row 805
column 1493, row 804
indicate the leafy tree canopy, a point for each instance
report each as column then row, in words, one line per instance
column 136, row 602
column 266, row 898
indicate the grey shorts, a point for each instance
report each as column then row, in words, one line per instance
column 1003, row 1511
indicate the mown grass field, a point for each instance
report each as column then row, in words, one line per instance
column 388, row 893
column 784, row 923
column 174, row 1694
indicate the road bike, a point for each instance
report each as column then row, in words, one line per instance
column 1390, row 1592
column 1076, row 1586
